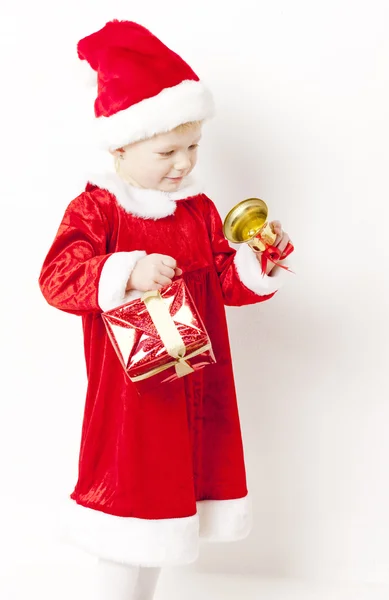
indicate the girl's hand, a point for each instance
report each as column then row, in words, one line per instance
column 281, row 242
column 153, row 272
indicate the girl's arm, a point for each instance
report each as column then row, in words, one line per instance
column 78, row 275
column 239, row 271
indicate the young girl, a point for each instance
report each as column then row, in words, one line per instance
column 159, row 471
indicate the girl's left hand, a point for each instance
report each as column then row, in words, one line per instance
column 281, row 242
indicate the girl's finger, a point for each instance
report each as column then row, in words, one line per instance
column 166, row 271
column 275, row 224
column 284, row 242
column 168, row 261
column 277, row 240
column 279, row 233
column 162, row 280
column 277, row 229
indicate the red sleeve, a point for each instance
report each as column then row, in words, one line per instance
column 78, row 275
column 239, row 271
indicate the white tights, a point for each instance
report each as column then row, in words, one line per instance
column 116, row 581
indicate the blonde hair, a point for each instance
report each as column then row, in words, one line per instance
column 187, row 125
column 179, row 128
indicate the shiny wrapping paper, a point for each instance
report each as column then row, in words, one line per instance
column 160, row 336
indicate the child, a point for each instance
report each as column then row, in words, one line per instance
column 159, row 471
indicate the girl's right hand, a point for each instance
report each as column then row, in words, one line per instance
column 153, row 272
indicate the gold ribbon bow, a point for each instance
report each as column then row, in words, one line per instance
column 167, row 330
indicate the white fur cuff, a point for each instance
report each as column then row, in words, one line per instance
column 249, row 271
column 114, row 277
column 225, row 520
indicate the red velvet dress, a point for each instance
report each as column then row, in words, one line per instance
column 160, row 471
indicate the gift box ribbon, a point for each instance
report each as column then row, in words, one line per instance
column 170, row 336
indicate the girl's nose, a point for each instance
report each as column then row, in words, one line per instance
column 182, row 162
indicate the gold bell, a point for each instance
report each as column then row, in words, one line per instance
column 247, row 222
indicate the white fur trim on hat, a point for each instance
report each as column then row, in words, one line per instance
column 114, row 277
column 183, row 103
column 155, row 542
column 249, row 271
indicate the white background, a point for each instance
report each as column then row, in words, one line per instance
column 302, row 96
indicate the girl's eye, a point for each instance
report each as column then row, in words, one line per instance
column 171, row 152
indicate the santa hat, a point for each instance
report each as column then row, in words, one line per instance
column 143, row 87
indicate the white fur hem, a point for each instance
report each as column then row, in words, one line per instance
column 155, row 542
column 249, row 271
column 114, row 277
column 185, row 102
column 225, row 520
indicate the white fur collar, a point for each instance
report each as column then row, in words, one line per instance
column 148, row 204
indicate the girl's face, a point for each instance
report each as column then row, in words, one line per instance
column 161, row 162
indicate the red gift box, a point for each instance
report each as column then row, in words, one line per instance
column 160, row 335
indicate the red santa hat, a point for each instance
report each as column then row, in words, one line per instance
column 143, row 87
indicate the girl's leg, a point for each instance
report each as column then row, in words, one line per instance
column 116, row 581
column 147, row 583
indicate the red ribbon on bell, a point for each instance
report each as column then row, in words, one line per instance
column 273, row 254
